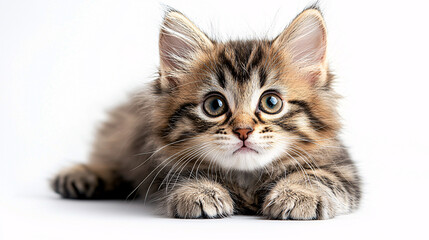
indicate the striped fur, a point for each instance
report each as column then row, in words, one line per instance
column 162, row 145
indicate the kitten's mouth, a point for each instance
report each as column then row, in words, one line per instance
column 245, row 149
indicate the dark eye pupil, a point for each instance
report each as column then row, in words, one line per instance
column 272, row 101
column 216, row 104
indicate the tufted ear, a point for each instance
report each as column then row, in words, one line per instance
column 304, row 42
column 179, row 40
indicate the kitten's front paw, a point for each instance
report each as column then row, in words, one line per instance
column 203, row 199
column 285, row 204
column 76, row 182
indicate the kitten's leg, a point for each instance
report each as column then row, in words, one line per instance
column 114, row 146
column 89, row 181
column 199, row 199
column 313, row 194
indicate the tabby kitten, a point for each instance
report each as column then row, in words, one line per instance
column 237, row 127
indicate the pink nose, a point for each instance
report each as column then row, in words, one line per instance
column 243, row 133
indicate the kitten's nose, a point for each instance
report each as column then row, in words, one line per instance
column 243, row 133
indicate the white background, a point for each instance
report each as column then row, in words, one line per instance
column 63, row 63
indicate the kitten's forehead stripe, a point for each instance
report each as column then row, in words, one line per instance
column 256, row 57
column 240, row 58
column 221, row 78
column 262, row 77
column 225, row 61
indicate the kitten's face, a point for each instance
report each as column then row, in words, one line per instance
column 241, row 105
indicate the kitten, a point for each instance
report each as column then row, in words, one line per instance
column 237, row 127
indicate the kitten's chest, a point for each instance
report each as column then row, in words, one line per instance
column 245, row 190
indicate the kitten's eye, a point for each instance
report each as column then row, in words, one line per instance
column 271, row 103
column 215, row 105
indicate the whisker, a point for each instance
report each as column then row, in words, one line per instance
column 169, row 159
column 150, row 157
column 186, row 161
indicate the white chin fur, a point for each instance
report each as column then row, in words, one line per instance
column 248, row 161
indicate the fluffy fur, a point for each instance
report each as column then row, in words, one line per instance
column 163, row 145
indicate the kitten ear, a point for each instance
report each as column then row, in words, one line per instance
column 305, row 44
column 179, row 40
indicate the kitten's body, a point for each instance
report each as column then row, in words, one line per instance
column 162, row 145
